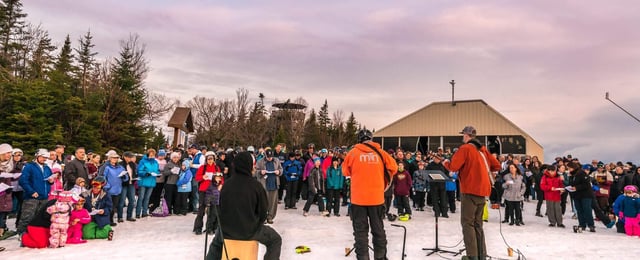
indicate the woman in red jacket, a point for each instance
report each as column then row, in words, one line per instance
column 553, row 187
column 204, row 175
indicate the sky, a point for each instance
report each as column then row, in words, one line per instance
column 545, row 65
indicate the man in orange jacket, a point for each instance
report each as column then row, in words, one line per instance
column 475, row 165
column 368, row 183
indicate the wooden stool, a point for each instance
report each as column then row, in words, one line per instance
column 241, row 249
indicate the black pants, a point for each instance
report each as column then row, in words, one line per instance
column 387, row 203
column 333, row 201
column 515, row 212
column 181, row 203
column 265, row 235
column 19, row 196
column 197, row 224
column 310, row 198
column 363, row 217
column 282, row 188
column 303, row 189
column 439, row 199
column 451, row 196
column 212, row 217
column 419, row 198
column 540, row 197
column 170, row 193
column 291, row 197
column 563, row 202
column 116, row 201
column 403, row 205
column 154, row 200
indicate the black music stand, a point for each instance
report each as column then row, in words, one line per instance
column 438, row 176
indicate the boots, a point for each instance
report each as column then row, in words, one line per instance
column 538, row 214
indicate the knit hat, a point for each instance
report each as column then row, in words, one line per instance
column 16, row 150
column 65, row 196
column 317, row 159
column 42, row 152
column 631, row 188
column 243, row 163
column 162, row 152
column 98, row 181
column 5, row 148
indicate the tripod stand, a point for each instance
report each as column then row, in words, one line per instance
column 437, row 176
column 437, row 248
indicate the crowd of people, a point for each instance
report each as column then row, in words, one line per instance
column 58, row 199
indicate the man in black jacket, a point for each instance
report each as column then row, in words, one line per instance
column 76, row 168
column 243, row 210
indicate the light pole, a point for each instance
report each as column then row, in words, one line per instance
column 606, row 96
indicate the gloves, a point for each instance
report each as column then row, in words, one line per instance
column 621, row 214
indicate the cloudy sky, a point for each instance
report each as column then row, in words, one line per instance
column 545, row 65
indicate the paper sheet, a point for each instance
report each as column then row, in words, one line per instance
column 94, row 212
column 123, row 173
column 4, row 187
column 10, row 175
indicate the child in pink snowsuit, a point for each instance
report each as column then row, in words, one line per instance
column 630, row 210
column 79, row 217
column 59, row 219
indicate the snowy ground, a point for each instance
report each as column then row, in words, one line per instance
column 171, row 238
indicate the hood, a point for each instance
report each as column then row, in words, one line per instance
column 367, row 149
column 243, row 163
column 476, row 143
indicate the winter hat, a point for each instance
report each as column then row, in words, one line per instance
column 317, row 159
column 5, row 148
column 251, row 149
column 55, row 170
column 186, row 163
column 65, row 196
column 324, row 150
column 243, row 163
column 586, row 167
column 16, row 150
column 98, row 181
column 80, row 180
column 42, row 152
column 631, row 188
column 162, row 152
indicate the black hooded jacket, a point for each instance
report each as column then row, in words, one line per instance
column 243, row 201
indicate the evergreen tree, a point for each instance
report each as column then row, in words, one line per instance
column 125, row 99
column 11, row 24
column 351, row 130
column 42, row 58
column 86, row 62
column 311, row 132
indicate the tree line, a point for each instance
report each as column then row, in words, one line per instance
column 51, row 95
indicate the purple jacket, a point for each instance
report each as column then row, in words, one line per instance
column 402, row 184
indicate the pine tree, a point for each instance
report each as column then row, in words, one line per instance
column 351, row 130
column 11, row 24
column 125, row 99
column 42, row 58
column 86, row 62
column 311, row 129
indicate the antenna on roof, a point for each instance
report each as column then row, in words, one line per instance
column 606, row 96
column 453, row 87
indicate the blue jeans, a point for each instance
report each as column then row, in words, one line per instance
column 129, row 193
column 142, row 207
column 585, row 213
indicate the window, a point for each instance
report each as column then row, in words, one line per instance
column 409, row 143
column 514, row 144
column 377, row 140
column 390, row 143
column 452, row 142
column 434, row 143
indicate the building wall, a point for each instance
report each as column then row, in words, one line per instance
column 443, row 119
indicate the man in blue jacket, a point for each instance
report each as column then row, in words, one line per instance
column 36, row 180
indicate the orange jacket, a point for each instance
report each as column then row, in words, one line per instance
column 472, row 170
column 365, row 168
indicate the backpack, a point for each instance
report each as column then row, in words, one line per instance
column 163, row 210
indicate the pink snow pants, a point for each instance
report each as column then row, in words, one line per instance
column 74, row 234
column 58, row 234
column 632, row 226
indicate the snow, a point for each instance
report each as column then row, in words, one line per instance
column 171, row 238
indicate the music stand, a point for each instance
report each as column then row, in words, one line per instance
column 438, row 176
